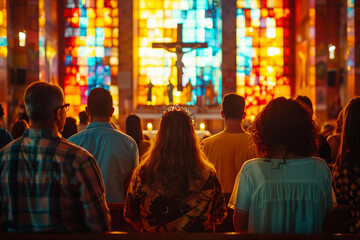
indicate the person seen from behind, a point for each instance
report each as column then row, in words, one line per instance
column 134, row 129
column 18, row 128
column 286, row 190
column 175, row 188
column 346, row 174
column 229, row 149
column 115, row 152
column 47, row 183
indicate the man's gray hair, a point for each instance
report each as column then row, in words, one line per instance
column 42, row 100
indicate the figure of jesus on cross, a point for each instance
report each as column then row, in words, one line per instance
column 177, row 47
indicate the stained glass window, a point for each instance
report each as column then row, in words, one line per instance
column 3, row 32
column 263, row 51
column 91, row 50
column 157, row 22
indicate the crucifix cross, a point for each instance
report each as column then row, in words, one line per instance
column 177, row 47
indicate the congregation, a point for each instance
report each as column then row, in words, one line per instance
column 272, row 174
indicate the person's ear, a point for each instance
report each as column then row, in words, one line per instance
column 222, row 114
column 244, row 115
column 87, row 111
column 112, row 111
column 58, row 115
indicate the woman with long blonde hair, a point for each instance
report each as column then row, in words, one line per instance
column 175, row 189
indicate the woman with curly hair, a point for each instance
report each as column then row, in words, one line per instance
column 175, row 188
column 286, row 190
column 346, row 174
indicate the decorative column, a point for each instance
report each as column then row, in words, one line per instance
column 229, row 46
column 127, row 64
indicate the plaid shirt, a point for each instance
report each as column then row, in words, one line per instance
column 346, row 182
column 50, row 184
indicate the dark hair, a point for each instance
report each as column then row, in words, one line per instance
column 70, row 127
column 339, row 122
column 287, row 123
column 233, row 106
column 349, row 152
column 1, row 111
column 100, row 103
column 175, row 158
column 18, row 128
column 134, row 128
column 83, row 117
column 42, row 100
column 306, row 102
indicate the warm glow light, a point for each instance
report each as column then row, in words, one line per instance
column 157, row 22
column 91, row 50
column 273, row 51
column 1, row 18
column 22, row 39
column 202, row 126
column 149, row 126
column 263, row 30
column 331, row 51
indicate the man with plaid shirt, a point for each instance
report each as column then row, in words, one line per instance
column 47, row 183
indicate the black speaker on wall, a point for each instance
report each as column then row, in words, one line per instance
column 331, row 78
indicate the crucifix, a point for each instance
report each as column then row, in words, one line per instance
column 177, row 47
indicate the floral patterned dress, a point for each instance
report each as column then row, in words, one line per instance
column 154, row 211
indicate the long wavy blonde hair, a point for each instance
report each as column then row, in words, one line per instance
column 175, row 158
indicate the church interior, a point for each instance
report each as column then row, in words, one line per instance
column 154, row 53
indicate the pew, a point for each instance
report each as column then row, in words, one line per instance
column 334, row 221
column 118, row 222
column 172, row 236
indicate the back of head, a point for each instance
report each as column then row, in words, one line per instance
column 83, row 117
column 175, row 157
column 284, row 124
column 70, row 127
column 350, row 140
column 134, row 128
column 18, row 128
column 42, row 100
column 100, row 103
column 306, row 102
column 233, row 106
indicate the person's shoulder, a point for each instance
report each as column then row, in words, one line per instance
column 73, row 152
column 4, row 132
column 212, row 138
column 253, row 163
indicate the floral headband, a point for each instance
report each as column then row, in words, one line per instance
column 179, row 108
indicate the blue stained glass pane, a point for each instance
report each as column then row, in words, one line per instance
column 3, row 41
column 82, row 32
column 84, row 22
column 240, row 12
column 99, row 32
column 90, row 41
column 91, row 61
column 255, row 13
column 68, row 59
column 82, row 51
column 99, row 41
column 176, row 14
column 201, row 4
column 83, row 12
column 99, row 60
